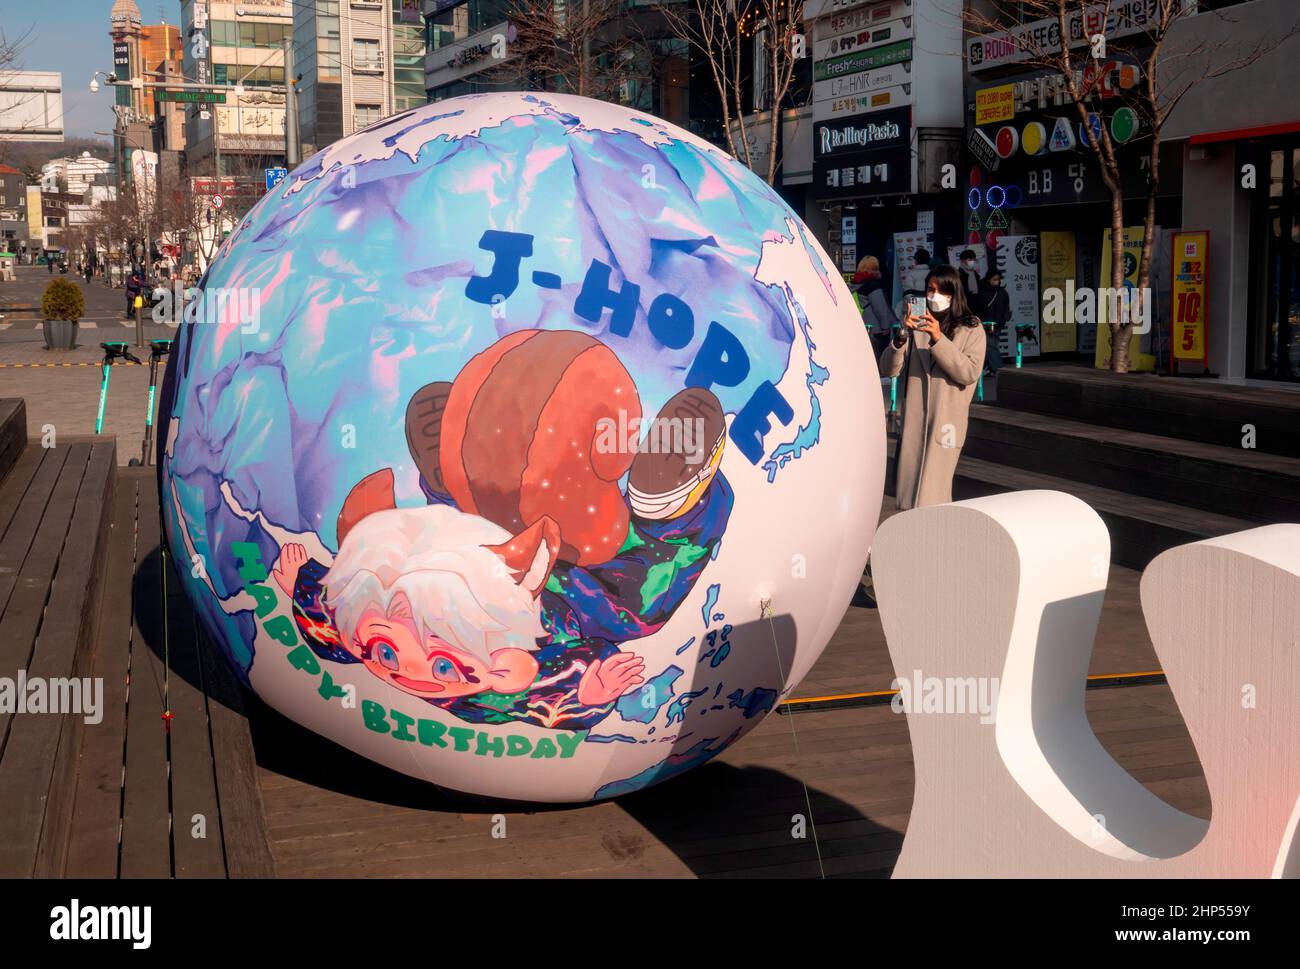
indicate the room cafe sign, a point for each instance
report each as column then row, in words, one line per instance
column 884, row 129
column 1114, row 19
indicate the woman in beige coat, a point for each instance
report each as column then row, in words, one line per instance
column 942, row 352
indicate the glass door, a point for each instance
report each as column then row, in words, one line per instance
column 1274, row 349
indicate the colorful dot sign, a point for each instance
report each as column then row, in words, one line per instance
column 1008, row 140
column 1124, row 125
column 1034, row 140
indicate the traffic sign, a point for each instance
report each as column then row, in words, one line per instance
column 274, row 176
column 217, row 201
column 191, row 97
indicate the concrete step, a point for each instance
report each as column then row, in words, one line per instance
column 1205, row 410
column 1239, row 482
column 1140, row 528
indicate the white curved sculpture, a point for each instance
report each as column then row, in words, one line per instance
column 1030, row 792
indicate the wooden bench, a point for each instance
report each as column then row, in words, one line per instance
column 165, row 784
column 54, row 513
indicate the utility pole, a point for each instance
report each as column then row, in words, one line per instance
column 292, row 149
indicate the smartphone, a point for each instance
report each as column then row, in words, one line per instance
column 916, row 306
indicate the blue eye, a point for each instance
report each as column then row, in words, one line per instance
column 445, row 669
column 385, row 655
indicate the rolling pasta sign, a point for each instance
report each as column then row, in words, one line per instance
column 864, row 155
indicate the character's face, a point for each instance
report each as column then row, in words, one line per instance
column 393, row 649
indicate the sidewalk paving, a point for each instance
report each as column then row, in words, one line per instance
column 61, row 387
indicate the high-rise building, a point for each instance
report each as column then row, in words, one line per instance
column 359, row 61
column 239, row 43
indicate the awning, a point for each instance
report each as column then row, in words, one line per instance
column 1243, row 134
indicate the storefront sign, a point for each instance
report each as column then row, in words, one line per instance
column 888, row 171
column 860, row 37
column 1056, row 251
column 1062, row 135
column 879, row 12
column 1124, row 125
column 864, row 60
column 1033, row 141
column 854, row 85
column 884, row 129
column 1017, row 258
column 994, row 104
column 1114, row 19
column 862, row 18
column 982, row 147
column 1045, row 90
column 890, row 97
column 1191, row 254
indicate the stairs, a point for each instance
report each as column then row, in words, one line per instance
column 1159, row 459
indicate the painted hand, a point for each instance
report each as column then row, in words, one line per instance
column 285, row 571
column 610, row 678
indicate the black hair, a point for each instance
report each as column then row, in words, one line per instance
column 967, row 254
column 948, row 281
column 922, row 257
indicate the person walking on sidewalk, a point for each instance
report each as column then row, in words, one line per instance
column 869, row 288
column 997, row 311
column 941, row 354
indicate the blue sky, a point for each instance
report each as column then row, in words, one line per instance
column 71, row 36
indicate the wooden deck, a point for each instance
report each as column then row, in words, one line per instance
column 135, row 793
column 130, row 795
column 165, row 784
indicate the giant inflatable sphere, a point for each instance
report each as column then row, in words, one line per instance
column 525, row 444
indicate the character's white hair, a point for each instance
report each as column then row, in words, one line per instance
column 458, row 590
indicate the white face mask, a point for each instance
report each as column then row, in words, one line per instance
column 968, row 263
column 938, row 302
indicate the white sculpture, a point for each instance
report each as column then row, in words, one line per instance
column 1012, row 590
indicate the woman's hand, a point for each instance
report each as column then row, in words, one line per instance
column 925, row 324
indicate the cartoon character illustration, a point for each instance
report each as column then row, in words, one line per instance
column 509, row 595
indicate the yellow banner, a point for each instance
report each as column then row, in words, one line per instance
column 995, row 104
column 1133, row 236
column 1191, row 255
column 1056, row 266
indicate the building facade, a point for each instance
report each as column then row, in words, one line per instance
column 73, row 175
column 13, row 209
column 885, row 129
column 1229, row 160
column 237, row 43
column 358, row 61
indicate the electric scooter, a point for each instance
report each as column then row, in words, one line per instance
column 116, row 350
column 157, row 350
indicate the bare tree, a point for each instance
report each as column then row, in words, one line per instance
column 587, row 47
column 1172, row 62
column 721, row 31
